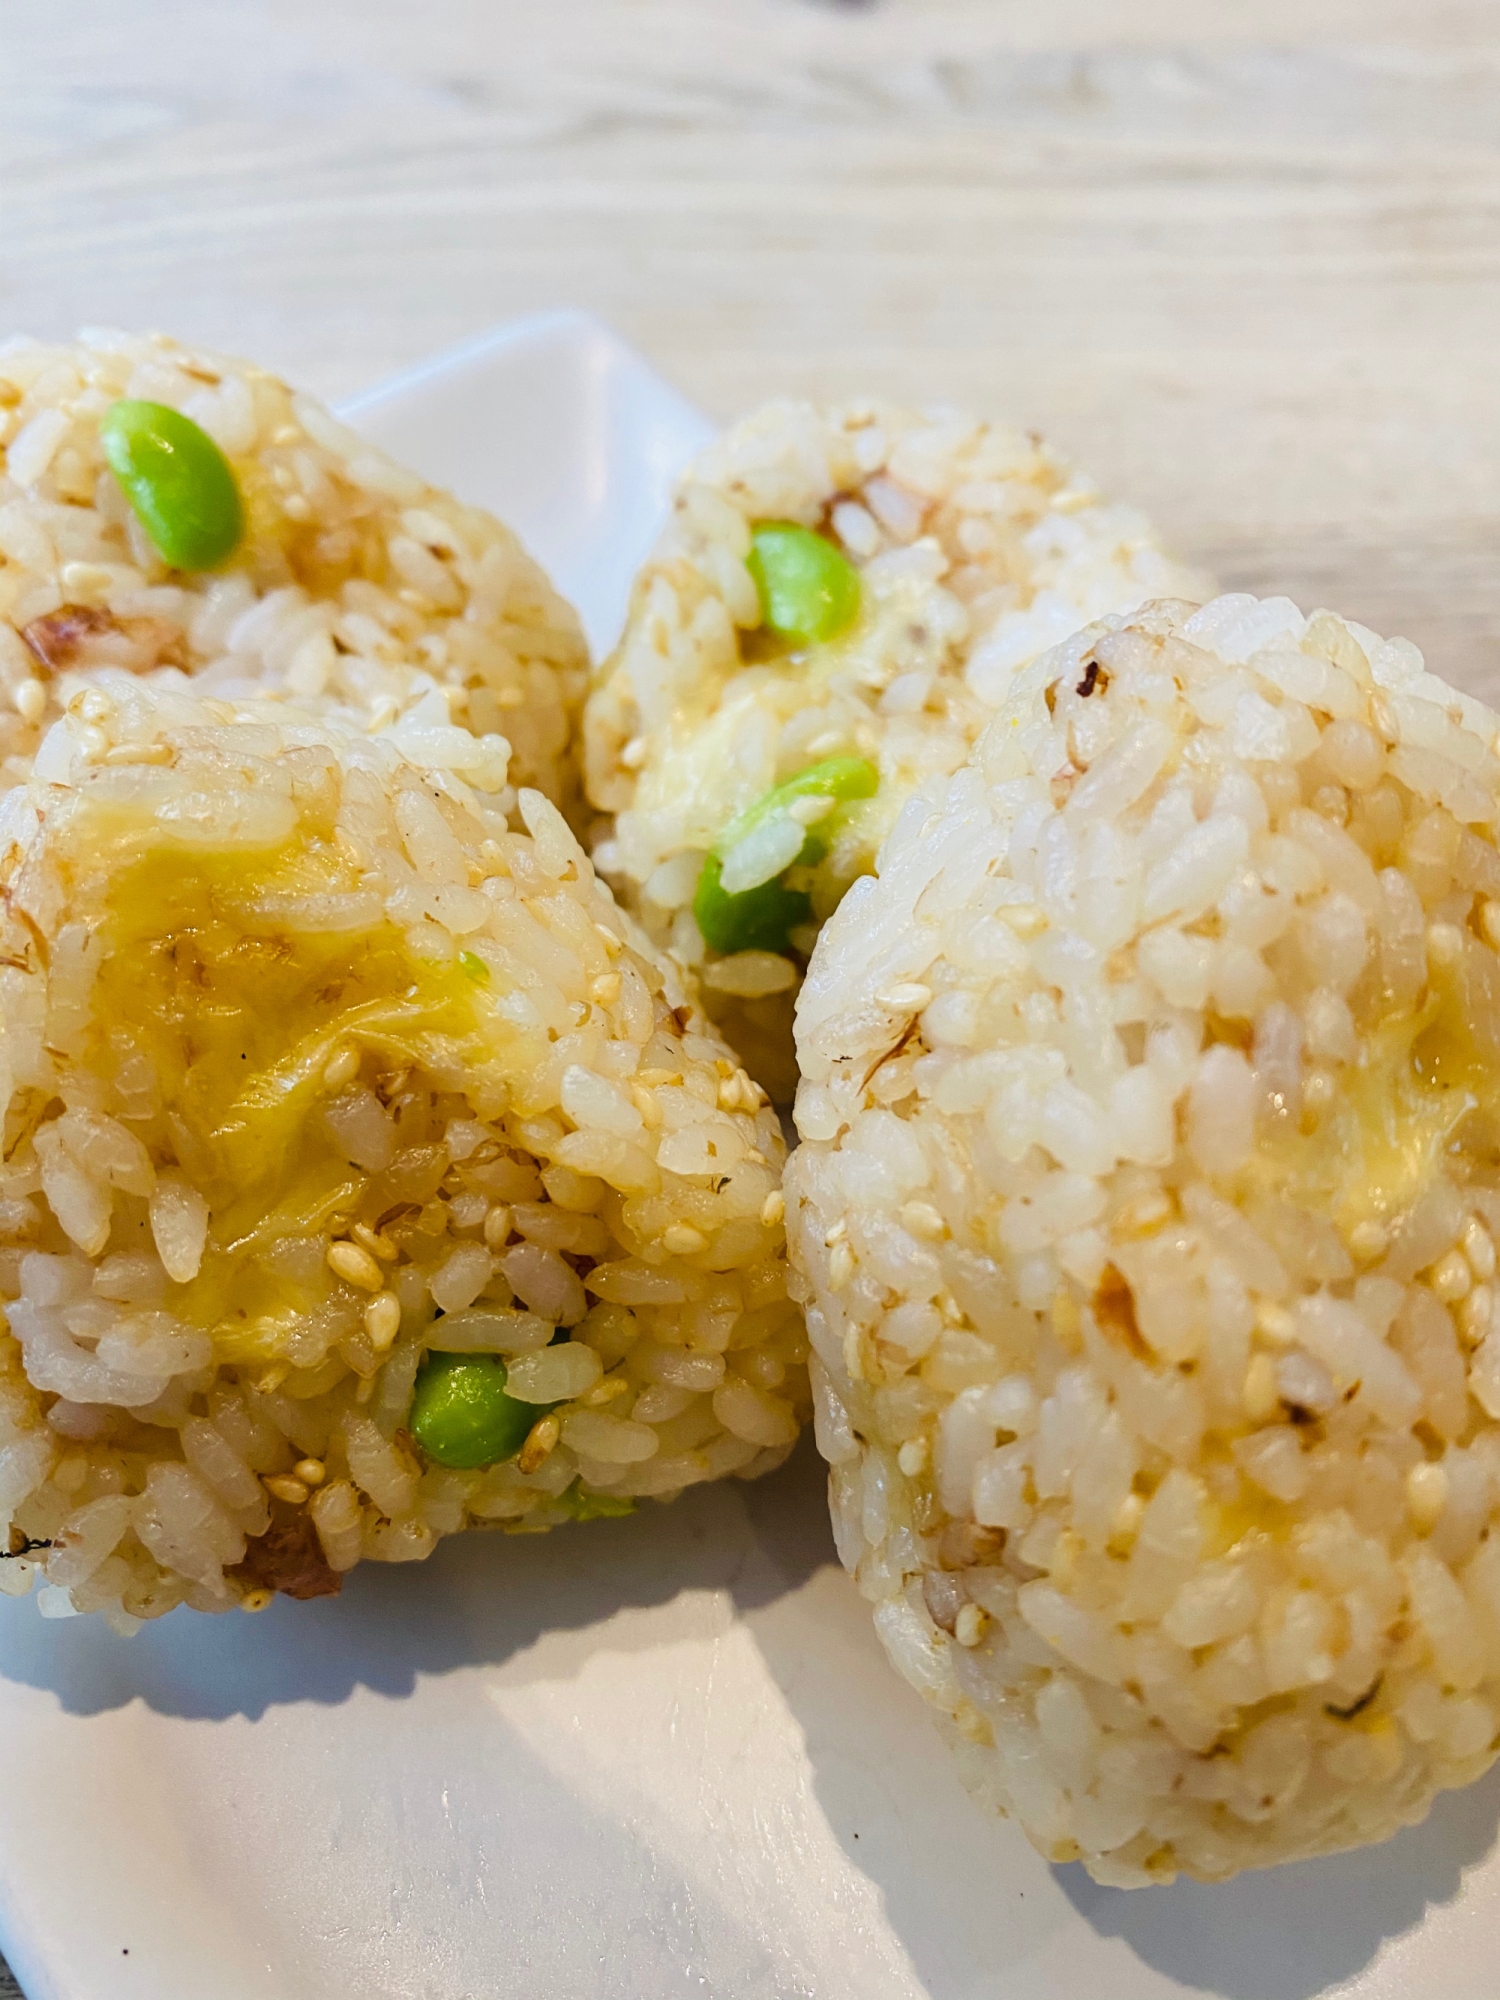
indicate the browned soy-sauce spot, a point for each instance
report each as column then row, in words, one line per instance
column 81, row 635
column 1114, row 1309
column 55, row 641
column 289, row 1558
column 897, row 1047
column 1355, row 1707
column 963, row 1544
column 20, row 1544
column 1094, row 677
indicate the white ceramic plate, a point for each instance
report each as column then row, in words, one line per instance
column 639, row 1760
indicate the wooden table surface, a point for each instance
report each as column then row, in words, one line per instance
column 1242, row 257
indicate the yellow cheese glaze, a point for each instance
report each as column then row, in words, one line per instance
column 237, row 1017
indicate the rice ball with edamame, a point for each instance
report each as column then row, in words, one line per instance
column 168, row 510
column 368, row 1175
column 1146, row 1209
column 834, row 611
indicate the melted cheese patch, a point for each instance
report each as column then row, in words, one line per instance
column 217, row 1007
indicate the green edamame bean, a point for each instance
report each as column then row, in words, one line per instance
column 763, row 918
column 178, row 482
column 808, row 590
column 758, row 919
column 462, row 1415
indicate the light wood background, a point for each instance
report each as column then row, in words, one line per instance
column 1242, row 257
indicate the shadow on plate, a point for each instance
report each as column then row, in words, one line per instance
column 973, row 1905
column 1289, row 1933
column 967, row 1900
column 482, row 1598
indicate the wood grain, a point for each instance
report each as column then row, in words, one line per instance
column 1247, row 269
column 1242, row 258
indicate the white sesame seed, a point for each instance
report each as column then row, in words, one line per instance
column 497, row 1226
column 311, row 1471
column 31, row 700
column 1127, row 1521
column 71, row 1472
column 1451, row 1277
column 374, row 1241
column 1445, row 943
column 1275, row 1324
column 286, row 1487
column 683, row 1240
column 356, row 1266
column 923, row 1220
column 1475, row 1314
column 1479, row 1248
column 383, row 1320
column 1426, row 1496
column 1369, row 1240
column 910, row 997
column 971, row 1625
column 607, row 1391
column 644, row 1100
column 773, row 1208
column 913, row 1457
column 256, row 1600
column 540, row 1440
column 86, row 579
